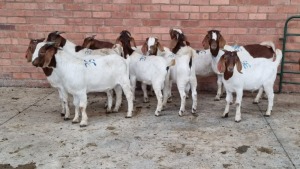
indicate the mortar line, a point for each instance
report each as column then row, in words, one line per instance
column 25, row 109
column 286, row 153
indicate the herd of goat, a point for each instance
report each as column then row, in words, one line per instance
column 99, row 66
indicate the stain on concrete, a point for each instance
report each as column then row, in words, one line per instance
column 91, row 145
column 20, row 149
column 226, row 165
column 25, row 166
column 178, row 148
column 265, row 150
column 242, row 149
column 223, row 152
column 110, row 128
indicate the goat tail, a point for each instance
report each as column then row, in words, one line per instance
column 172, row 63
column 269, row 44
column 278, row 56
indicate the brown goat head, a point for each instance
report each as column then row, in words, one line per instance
column 178, row 39
column 46, row 56
column 151, row 46
column 213, row 41
column 31, row 48
column 125, row 40
column 227, row 62
column 57, row 38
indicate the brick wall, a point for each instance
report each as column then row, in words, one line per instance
column 240, row 21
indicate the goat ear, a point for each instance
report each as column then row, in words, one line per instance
column 160, row 47
column 205, row 42
column 187, row 43
column 117, row 40
column 144, row 48
column 221, row 64
column 133, row 41
column 173, row 43
column 238, row 64
column 222, row 42
column 93, row 36
column 48, row 57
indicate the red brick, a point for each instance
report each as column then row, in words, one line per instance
column 160, row 15
column 170, row 23
column 219, row 2
column 84, row 28
column 147, row 22
column 5, row 40
column 5, row 62
column 209, row 8
column 122, row 1
column 21, row 75
column 280, row 2
column 257, row 16
column 101, row 14
column 295, row 2
column 111, row 7
column 169, row 8
column 142, row 15
column 161, row 1
column 150, row 8
column 82, row 14
column 113, row 22
column 94, row 22
column 199, row 16
column 267, row 9
column 218, row 15
column 121, row 15
column 75, row 21
column 39, row 76
column 53, row 6
column 180, row 16
column 288, row 9
column 73, row 7
column 259, row 2
column 189, row 8
column 199, row 2
column 132, row 22
column 248, row 9
column 54, row 21
column 190, row 23
column 141, row 1
column 16, row 20
column 180, row 1
column 43, row 13
column 160, row 30
column 277, row 16
column 228, row 9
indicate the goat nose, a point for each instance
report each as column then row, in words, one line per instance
column 35, row 63
column 230, row 69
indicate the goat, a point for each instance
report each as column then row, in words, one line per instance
column 52, row 78
column 82, row 75
column 214, row 41
column 73, row 49
column 92, row 43
column 183, row 73
column 148, row 70
column 244, row 74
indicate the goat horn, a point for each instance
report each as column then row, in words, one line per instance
column 58, row 32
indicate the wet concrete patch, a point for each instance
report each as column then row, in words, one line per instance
column 242, row 149
column 25, row 166
column 265, row 150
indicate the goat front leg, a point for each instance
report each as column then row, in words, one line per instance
column 159, row 97
column 76, row 104
column 144, row 89
column 219, row 92
column 238, row 102
column 64, row 101
column 228, row 102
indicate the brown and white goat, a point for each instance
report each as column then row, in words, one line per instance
column 92, row 43
column 215, row 43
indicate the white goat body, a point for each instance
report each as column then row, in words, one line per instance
column 256, row 73
column 90, row 74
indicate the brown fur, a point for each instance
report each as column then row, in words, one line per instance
column 259, row 51
column 31, row 48
column 227, row 62
column 55, row 37
column 208, row 37
column 125, row 40
column 92, row 43
column 153, row 49
column 46, row 57
column 178, row 40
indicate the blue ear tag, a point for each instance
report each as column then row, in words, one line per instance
column 143, row 58
column 89, row 62
column 246, row 65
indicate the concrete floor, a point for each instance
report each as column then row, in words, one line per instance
column 33, row 134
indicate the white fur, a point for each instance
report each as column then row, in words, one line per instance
column 214, row 35
column 80, row 75
column 258, row 73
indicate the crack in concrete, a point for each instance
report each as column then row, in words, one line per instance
column 19, row 112
column 281, row 145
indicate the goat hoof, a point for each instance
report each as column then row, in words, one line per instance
column 231, row 103
column 127, row 117
column 75, row 122
column 66, row 118
column 267, row 115
column 217, row 99
column 195, row 114
column 82, row 125
column 180, row 113
column 237, row 121
column 255, row 102
column 226, row 115
column 62, row 114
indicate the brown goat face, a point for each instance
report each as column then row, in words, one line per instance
column 55, row 37
column 125, row 39
column 228, row 61
column 151, row 46
column 87, row 42
column 213, row 40
column 31, row 48
column 45, row 57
